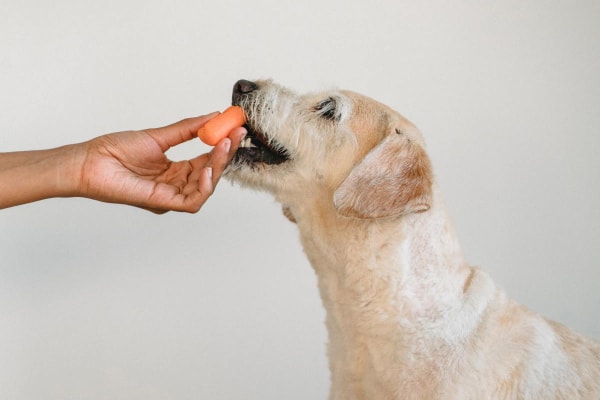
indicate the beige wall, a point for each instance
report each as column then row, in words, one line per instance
column 108, row 302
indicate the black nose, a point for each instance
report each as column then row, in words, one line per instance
column 244, row 87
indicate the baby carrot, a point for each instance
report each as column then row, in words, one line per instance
column 220, row 126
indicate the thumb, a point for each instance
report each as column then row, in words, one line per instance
column 179, row 132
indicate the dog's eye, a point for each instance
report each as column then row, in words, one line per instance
column 327, row 109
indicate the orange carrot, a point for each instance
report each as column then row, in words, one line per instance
column 220, row 126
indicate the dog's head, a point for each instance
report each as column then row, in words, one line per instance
column 361, row 157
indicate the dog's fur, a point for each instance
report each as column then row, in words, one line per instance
column 407, row 317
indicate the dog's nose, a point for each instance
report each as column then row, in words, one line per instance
column 244, row 87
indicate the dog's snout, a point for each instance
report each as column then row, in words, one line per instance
column 241, row 89
column 244, row 87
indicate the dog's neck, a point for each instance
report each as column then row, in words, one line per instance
column 385, row 280
column 412, row 255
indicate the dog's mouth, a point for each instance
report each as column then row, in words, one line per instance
column 259, row 148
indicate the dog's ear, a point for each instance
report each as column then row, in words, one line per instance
column 394, row 178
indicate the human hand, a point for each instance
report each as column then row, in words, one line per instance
column 131, row 167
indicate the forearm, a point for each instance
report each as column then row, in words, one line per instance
column 29, row 176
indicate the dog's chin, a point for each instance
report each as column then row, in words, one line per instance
column 258, row 149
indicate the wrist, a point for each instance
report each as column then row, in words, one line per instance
column 35, row 175
column 68, row 171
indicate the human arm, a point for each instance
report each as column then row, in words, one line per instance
column 126, row 167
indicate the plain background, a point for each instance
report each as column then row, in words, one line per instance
column 101, row 301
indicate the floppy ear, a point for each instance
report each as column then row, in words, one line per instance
column 394, row 178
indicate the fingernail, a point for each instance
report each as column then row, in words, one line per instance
column 227, row 144
column 209, row 172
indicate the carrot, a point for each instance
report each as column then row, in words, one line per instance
column 220, row 126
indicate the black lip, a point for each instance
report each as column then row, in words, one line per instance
column 266, row 151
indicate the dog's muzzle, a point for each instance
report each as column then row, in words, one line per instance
column 258, row 147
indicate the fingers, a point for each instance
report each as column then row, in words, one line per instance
column 179, row 132
column 166, row 197
column 206, row 170
column 194, row 201
column 224, row 152
column 205, row 185
column 220, row 156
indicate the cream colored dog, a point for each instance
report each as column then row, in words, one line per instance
column 407, row 317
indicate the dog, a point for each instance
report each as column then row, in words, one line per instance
column 407, row 317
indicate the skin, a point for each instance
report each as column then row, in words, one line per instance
column 126, row 167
